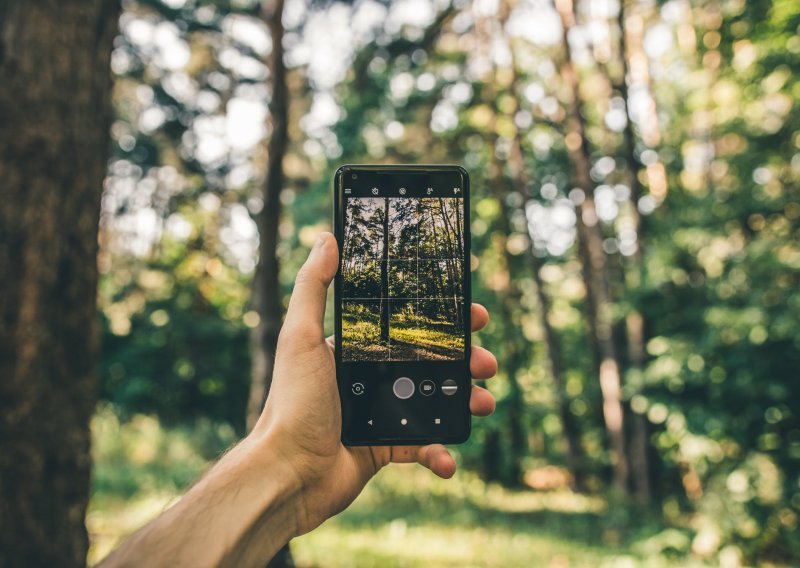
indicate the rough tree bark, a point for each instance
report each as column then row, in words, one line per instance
column 593, row 257
column 266, row 296
column 55, row 113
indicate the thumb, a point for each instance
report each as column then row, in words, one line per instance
column 307, row 305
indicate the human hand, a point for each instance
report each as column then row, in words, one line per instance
column 302, row 417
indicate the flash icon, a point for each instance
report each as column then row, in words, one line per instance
column 430, row 190
column 374, row 191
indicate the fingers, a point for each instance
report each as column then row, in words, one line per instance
column 479, row 316
column 437, row 459
column 403, row 454
column 307, row 305
column 482, row 364
column 481, row 401
column 434, row 457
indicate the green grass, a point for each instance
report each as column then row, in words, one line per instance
column 406, row 517
column 411, row 338
column 140, row 467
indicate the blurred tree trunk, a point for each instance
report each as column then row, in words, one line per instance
column 519, row 180
column 510, row 295
column 513, row 356
column 593, row 257
column 267, row 298
column 55, row 113
column 635, row 323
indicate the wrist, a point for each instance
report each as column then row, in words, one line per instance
column 267, row 492
column 303, row 473
column 279, row 471
column 241, row 512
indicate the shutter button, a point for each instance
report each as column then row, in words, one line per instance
column 403, row 388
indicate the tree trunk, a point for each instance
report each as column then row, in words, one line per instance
column 385, row 274
column 267, row 297
column 595, row 268
column 575, row 457
column 635, row 323
column 509, row 295
column 55, row 114
column 453, row 274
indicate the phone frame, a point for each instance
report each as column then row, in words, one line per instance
column 465, row 382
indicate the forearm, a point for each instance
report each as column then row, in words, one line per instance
column 239, row 514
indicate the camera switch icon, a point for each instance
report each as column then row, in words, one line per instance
column 402, row 191
column 357, row 388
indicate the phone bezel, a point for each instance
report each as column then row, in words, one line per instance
column 338, row 224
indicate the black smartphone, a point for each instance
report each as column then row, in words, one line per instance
column 402, row 303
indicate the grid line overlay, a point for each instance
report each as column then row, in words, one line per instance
column 433, row 313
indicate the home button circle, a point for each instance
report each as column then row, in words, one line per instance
column 403, row 388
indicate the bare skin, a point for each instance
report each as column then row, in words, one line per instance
column 292, row 472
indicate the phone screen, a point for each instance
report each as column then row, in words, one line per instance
column 402, row 301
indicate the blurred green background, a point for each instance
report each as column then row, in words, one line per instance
column 636, row 237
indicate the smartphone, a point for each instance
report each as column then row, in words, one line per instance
column 402, row 303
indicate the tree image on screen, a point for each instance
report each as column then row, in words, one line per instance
column 402, row 273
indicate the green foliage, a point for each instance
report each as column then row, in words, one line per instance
column 175, row 342
column 406, row 517
column 719, row 162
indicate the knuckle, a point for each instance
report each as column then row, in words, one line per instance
column 301, row 333
column 306, row 276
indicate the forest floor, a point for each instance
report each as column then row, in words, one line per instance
column 408, row 340
column 406, row 517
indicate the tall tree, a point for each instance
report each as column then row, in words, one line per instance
column 385, row 274
column 520, row 181
column 509, row 294
column 55, row 114
column 593, row 257
column 267, row 297
column 634, row 321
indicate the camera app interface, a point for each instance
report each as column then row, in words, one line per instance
column 402, row 274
